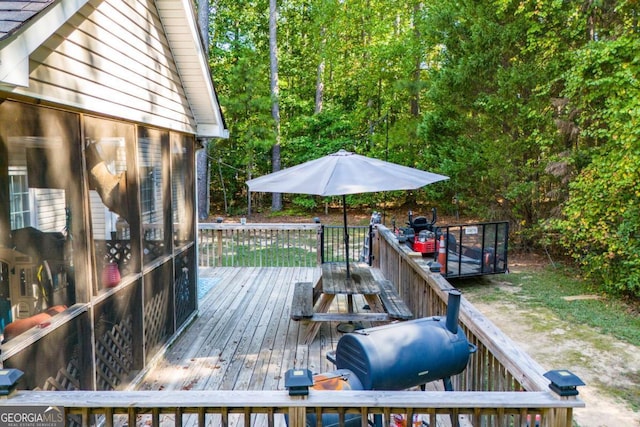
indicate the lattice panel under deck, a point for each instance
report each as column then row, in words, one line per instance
column 183, row 296
column 114, row 355
column 155, row 319
column 66, row 379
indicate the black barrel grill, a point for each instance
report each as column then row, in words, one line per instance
column 399, row 356
column 402, row 355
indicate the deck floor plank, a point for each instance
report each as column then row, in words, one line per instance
column 243, row 337
column 257, row 355
column 212, row 358
column 273, row 354
column 239, row 331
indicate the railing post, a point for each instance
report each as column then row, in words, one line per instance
column 321, row 244
column 219, row 250
column 297, row 414
column 561, row 417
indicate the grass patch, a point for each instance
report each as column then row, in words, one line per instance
column 549, row 288
column 273, row 256
column 629, row 394
column 542, row 294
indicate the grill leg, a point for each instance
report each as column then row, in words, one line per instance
column 448, row 386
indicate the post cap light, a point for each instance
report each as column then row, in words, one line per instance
column 8, row 380
column 298, row 381
column 435, row 267
column 564, row 382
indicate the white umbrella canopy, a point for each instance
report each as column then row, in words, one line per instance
column 343, row 173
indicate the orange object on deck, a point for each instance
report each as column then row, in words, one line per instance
column 338, row 380
column 442, row 255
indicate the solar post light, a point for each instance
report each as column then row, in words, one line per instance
column 564, row 382
column 8, row 380
column 298, row 381
column 435, row 267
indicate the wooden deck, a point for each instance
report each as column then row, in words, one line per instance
column 244, row 338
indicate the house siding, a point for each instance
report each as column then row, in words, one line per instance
column 113, row 58
column 53, row 202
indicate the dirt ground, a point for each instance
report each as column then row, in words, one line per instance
column 601, row 361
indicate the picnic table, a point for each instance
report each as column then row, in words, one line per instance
column 312, row 301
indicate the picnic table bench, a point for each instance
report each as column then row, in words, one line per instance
column 312, row 301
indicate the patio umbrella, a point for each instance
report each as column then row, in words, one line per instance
column 343, row 173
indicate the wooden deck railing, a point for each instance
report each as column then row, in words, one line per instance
column 499, row 364
column 276, row 245
column 501, row 387
column 268, row 408
column 257, row 245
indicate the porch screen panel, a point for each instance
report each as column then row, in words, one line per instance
column 41, row 211
column 153, row 177
column 185, row 285
column 109, row 154
column 182, row 189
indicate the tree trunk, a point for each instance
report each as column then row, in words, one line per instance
column 320, row 77
column 319, row 87
column 203, row 180
column 276, row 201
column 414, row 101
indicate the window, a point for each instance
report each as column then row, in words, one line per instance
column 19, row 195
column 148, row 188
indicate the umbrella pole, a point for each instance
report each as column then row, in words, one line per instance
column 346, row 233
column 347, row 327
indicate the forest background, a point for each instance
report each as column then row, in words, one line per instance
column 531, row 108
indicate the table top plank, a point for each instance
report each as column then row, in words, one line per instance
column 361, row 281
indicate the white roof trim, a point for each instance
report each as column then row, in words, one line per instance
column 14, row 57
column 180, row 26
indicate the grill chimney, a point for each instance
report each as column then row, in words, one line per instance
column 453, row 311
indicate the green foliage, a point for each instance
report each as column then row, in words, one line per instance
column 308, row 203
column 600, row 228
column 314, row 136
column 529, row 107
column 488, row 116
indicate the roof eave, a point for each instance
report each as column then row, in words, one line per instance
column 15, row 50
column 179, row 20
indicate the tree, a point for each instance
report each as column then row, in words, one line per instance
column 276, row 203
column 239, row 58
column 489, row 119
column 202, row 162
column 600, row 226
